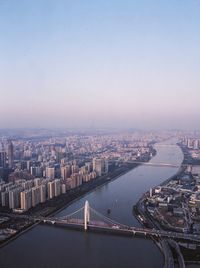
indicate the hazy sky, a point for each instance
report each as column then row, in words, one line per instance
column 100, row 63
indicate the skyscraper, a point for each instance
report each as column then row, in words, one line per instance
column 50, row 173
column 35, row 196
column 10, row 154
column 26, row 199
column 51, row 189
column 100, row 166
column 2, row 156
column 57, row 187
column 14, row 198
column 2, row 159
column 65, row 172
column 42, row 193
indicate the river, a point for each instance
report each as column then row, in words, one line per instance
column 50, row 247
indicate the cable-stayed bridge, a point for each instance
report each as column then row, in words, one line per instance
column 88, row 219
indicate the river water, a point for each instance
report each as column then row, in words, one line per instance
column 50, row 247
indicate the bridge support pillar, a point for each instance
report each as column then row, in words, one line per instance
column 86, row 215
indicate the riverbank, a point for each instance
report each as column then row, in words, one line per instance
column 52, row 207
column 17, row 234
column 152, row 213
column 57, row 204
column 93, row 188
column 119, row 195
column 140, row 206
column 144, row 217
column 140, row 211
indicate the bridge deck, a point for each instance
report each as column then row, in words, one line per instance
column 130, row 231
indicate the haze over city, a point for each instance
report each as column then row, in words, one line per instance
column 99, row 64
column 99, row 133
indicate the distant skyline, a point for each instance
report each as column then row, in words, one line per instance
column 92, row 64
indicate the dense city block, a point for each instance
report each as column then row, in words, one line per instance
column 40, row 174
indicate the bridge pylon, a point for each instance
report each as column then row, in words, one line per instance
column 86, row 214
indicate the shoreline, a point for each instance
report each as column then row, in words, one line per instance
column 15, row 236
column 100, row 183
column 77, row 194
column 93, row 189
column 143, row 216
column 147, row 219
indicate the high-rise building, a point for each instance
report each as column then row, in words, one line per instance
column 69, row 183
column 37, row 181
column 105, row 166
column 97, row 166
column 63, row 188
column 28, row 164
column 42, row 193
column 10, row 154
column 36, row 171
column 65, row 172
column 51, row 189
column 26, row 199
column 88, row 166
column 57, row 187
column 100, row 166
column 14, row 198
column 74, row 168
column 77, row 180
column 5, row 199
column 2, row 156
column 27, row 184
column 196, row 144
column 190, row 143
column 35, row 196
column 2, row 159
column 151, row 192
column 50, row 173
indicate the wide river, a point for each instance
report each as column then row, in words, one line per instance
column 50, row 247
